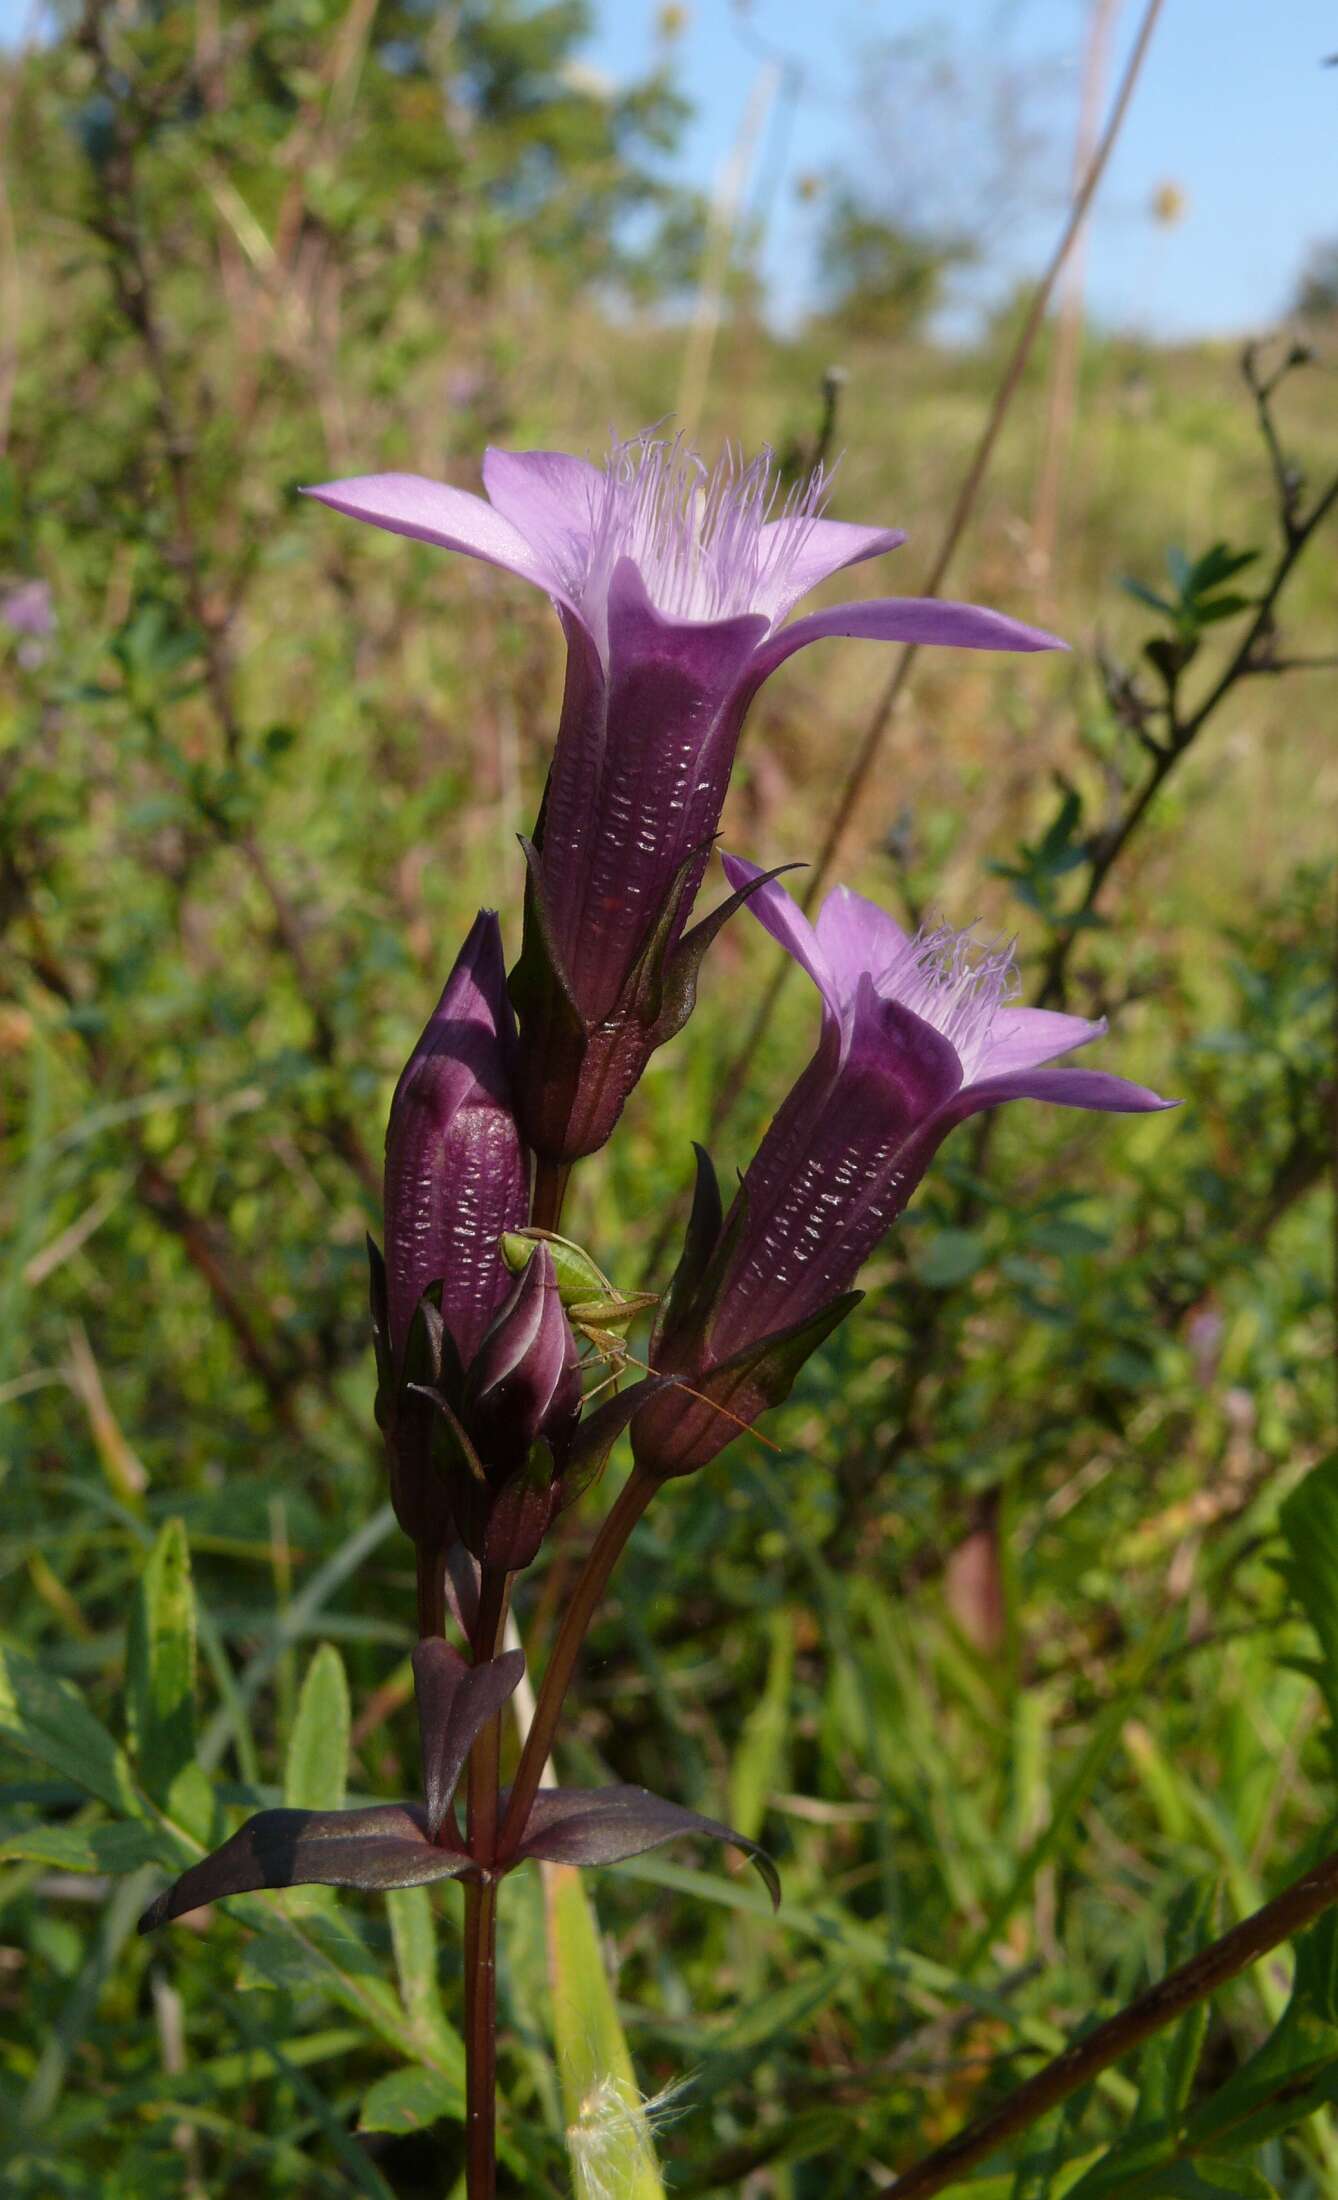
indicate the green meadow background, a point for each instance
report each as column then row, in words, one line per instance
column 1006, row 1654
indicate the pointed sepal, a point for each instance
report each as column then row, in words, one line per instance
column 699, row 1243
column 430, row 1371
column 539, row 985
column 767, row 1370
column 642, row 997
column 671, row 1438
column 588, row 1453
column 606, row 1825
column 678, row 987
column 520, row 1513
column 463, row 1585
column 379, row 1295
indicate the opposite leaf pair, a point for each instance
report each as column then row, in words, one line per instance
column 408, row 1844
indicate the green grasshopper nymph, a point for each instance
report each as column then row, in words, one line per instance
column 596, row 1310
column 599, row 1312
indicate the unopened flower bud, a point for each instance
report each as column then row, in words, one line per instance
column 457, row 1177
column 525, row 1381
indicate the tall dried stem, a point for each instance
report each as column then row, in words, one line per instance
column 870, row 748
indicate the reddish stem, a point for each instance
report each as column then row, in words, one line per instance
column 550, row 1189
column 481, row 2038
column 480, row 1949
column 623, row 1516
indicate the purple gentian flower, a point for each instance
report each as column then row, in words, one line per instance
column 917, row 1034
column 673, row 583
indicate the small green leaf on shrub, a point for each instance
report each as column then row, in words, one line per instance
column 407, row 2101
column 947, row 1257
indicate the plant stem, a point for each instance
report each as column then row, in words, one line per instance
column 550, row 1189
column 622, row 1517
column 480, row 1949
column 485, row 1755
column 481, row 2038
column 1296, row 1907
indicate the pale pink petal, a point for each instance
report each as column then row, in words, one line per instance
column 857, row 936
column 1021, row 1038
column 431, row 511
column 1064, row 1088
column 804, row 552
column 786, row 922
column 919, row 619
column 551, row 499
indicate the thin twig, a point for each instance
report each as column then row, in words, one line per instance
column 117, row 224
column 1278, row 1921
column 1182, row 733
column 870, row 747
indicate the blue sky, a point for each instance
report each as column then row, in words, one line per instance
column 1234, row 108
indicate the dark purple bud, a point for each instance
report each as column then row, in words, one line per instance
column 505, row 1433
column 457, row 1173
column 525, row 1379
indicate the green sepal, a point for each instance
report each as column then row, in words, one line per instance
column 540, row 1469
column 588, row 1453
column 539, row 985
column 380, row 1305
column 771, row 1367
column 699, row 1243
column 710, row 1289
column 678, row 983
column 452, row 1446
column 643, row 994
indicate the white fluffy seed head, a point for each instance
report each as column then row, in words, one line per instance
column 614, row 2135
column 710, row 542
column 956, row 983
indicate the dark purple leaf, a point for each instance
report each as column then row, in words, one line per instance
column 604, row 1825
column 455, row 1703
column 385, row 1846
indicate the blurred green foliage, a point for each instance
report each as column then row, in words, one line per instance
column 1008, row 1651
